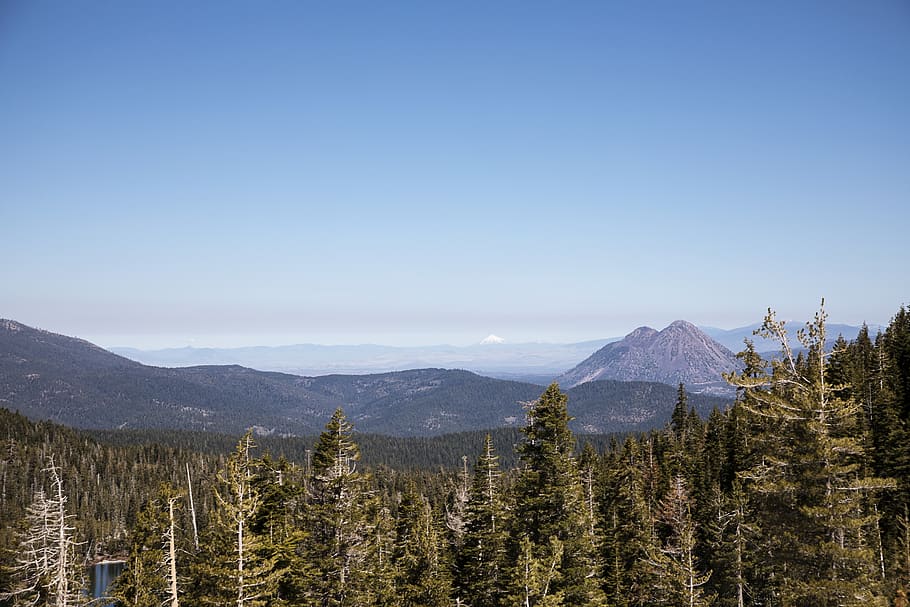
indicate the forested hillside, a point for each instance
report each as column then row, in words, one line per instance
column 376, row 450
column 70, row 381
column 797, row 495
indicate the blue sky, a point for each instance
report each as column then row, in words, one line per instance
column 237, row 173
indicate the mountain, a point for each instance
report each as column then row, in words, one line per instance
column 733, row 338
column 493, row 356
column 492, row 339
column 71, row 381
column 489, row 357
column 679, row 353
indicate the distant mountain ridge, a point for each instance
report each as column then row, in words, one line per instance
column 48, row 376
column 538, row 363
column 489, row 357
column 680, row 353
column 734, row 338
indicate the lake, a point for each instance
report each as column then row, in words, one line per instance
column 101, row 575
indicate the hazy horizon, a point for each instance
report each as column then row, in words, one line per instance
column 163, row 341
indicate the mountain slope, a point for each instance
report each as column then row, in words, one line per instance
column 70, row 381
column 679, row 353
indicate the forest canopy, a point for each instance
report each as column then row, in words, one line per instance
column 798, row 494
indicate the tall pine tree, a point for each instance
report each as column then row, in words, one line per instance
column 341, row 544
column 422, row 576
column 237, row 565
column 549, row 506
column 678, row 577
column 815, row 500
column 480, row 565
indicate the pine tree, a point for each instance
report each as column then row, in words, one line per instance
column 549, row 507
column 732, row 533
column 340, row 544
column 379, row 571
column 280, row 522
column 150, row 578
column 588, row 463
column 678, row 578
column 537, row 574
column 680, row 411
column 807, row 469
column 456, row 507
column 628, row 528
column 480, row 566
column 421, row 572
column 712, row 460
column 237, row 564
column 891, row 439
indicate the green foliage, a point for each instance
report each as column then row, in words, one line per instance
column 537, row 574
column 732, row 534
column 807, row 470
column 340, row 544
column 678, row 578
column 481, row 562
column 549, row 508
column 422, row 576
column 244, row 565
column 680, row 411
column 781, row 497
column 627, row 520
column 145, row 581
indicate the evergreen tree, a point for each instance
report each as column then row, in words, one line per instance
column 628, row 528
column 280, row 522
column 456, row 507
column 150, row 577
column 549, row 508
column 891, row 440
column 712, row 459
column 340, row 545
column 422, row 577
column 678, row 579
column 537, row 574
column 480, row 563
column 680, row 411
column 237, row 565
column 732, row 533
column 588, row 463
column 808, row 463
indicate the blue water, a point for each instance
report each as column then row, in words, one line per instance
column 102, row 575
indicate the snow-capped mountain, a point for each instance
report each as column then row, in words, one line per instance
column 492, row 339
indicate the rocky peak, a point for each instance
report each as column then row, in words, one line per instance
column 641, row 334
column 682, row 326
column 10, row 325
column 680, row 353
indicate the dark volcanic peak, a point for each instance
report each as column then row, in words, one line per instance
column 679, row 353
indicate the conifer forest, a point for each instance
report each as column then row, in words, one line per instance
column 797, row 494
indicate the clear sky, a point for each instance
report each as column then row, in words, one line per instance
column 240, row 173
